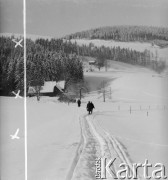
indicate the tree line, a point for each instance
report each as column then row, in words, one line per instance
column 59, row 59
column 126, row 55
column 159, row 35
column 43, row 62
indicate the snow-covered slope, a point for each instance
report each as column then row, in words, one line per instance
column 138, row 46
column 137, row 114
column 63, row 141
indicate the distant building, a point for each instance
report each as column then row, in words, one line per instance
column 50, row 88
column 92, row 62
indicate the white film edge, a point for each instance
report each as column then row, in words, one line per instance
column 83, row 89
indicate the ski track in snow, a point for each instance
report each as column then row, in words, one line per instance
column 96, row 143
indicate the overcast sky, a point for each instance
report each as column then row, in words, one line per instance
column 57, row 18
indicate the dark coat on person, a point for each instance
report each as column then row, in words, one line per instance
column 79, row 102
column 90, row 107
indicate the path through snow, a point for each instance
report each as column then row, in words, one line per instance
column 96, row 143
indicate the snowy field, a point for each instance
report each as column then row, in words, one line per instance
column 63, row 141
column 138, row 46
column 53, row 136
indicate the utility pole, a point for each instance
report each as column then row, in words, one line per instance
column 80, row 93
column 104, row 92
column 104, row 95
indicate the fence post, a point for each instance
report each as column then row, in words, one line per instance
column 104, row 96
column 104, row 91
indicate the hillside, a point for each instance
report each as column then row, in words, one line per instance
column 157, row 35
column 137, row 46
column 57, row 59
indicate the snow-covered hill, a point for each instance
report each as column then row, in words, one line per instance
column 138, row 46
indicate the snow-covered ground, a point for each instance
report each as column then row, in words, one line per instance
column 53, row 135
column 11, row 151
column 63, row 141
column 136, row 115
column 138, row 46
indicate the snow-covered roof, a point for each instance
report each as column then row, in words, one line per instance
column 49, row 87
column 92, row 62
column 61, row 84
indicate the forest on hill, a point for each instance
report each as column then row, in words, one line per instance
column 126, row 55
column 59, row 59
column 157, row 35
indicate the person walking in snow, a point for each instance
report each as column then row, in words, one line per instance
column 79, row 102
column 88, row 107
column 91, row 107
